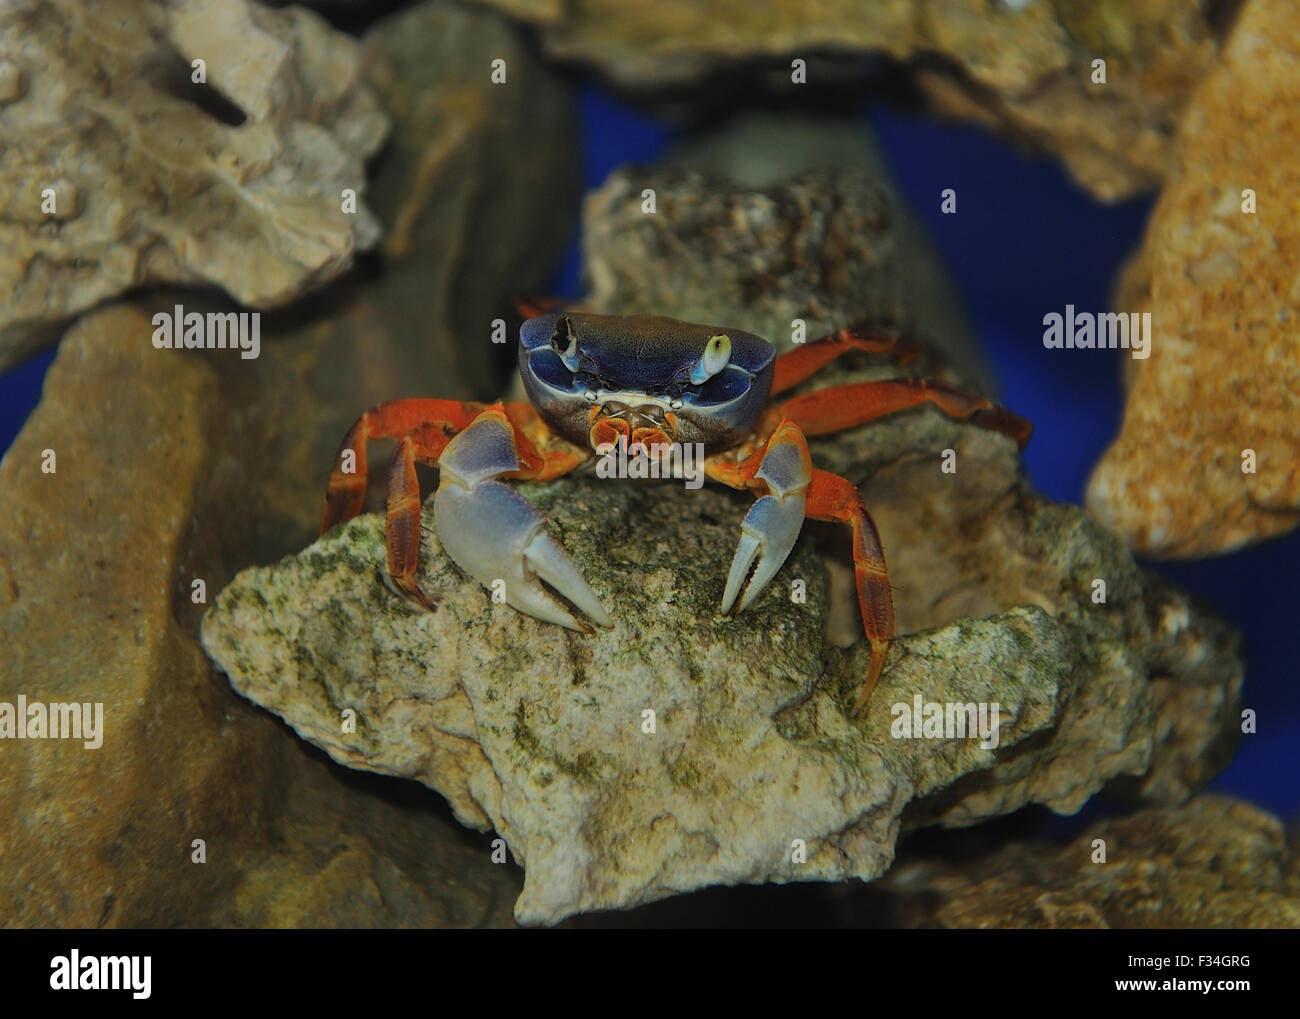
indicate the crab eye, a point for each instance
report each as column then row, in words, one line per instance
column 717, row 352
column 565, row 343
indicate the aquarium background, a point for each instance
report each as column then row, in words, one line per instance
column 1025, row 242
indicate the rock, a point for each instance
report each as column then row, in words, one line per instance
column 725, row 251
column 968, row 545
column 1025, row 69
column 345, row 853
column 1214, row 863
column 155, row 178
column 183, row 465
column 904, row 283
column 467, row 225
column 828, row 246
column 1222, row 286
column 480, row 188
column 536, row 732
column 89, row 590
column 819, row 246
column 92, row 837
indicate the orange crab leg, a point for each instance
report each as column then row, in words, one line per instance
column 831, row 497
column 425, row 427
column 821, row 495
column 402, row 521
column 431, row 424
column 805, row 360
column 738, row 474
column 840, row 407
column 532, row 305
column 544, row 456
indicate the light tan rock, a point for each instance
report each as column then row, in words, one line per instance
column 1024, row 69
column 539, row 734
column 152, row 180
column 1223, row 289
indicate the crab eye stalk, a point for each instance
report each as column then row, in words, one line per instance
column 565, row 343
column 717, row 352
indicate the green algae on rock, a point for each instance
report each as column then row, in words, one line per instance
column 751, row 771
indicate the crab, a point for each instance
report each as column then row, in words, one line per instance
column 646, row 384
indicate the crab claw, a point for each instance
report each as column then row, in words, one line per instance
column 767, row 534
column 494, row 534
column 772, row 525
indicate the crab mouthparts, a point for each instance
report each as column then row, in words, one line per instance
column 645, row 415
column 645, row 423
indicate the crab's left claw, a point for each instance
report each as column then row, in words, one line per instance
column 497, row 536
column 772, row 525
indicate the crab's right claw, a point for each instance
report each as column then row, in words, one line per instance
column 497, row 536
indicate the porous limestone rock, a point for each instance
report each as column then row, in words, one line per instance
column 757, row 152
column 121, row 171
column 542, row 734
column 825, row 245
column 1025, row 68
column 1208, row 457
column 1214, row 863
column 819, row 246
